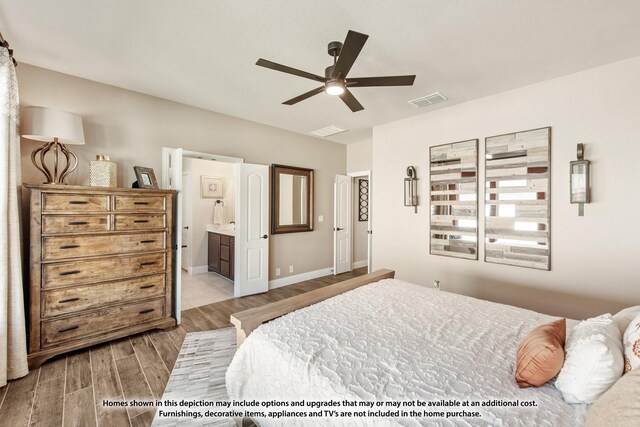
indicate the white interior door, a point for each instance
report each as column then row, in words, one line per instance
column 342, row 225
column 252, row 231
column 175, row 183
column 185, row 252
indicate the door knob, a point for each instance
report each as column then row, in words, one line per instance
column 339, row 229
column 186, row 228
column 264, row 237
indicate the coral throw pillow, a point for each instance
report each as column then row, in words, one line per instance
column 541, row 354
column 631, row 342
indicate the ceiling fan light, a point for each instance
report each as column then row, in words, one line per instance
column 334, row 88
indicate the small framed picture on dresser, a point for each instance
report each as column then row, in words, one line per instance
column 146, row 177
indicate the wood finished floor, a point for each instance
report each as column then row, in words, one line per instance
column 68, row 390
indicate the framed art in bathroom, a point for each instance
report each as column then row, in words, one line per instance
column 210, row 187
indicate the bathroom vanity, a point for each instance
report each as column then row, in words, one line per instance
column 221, row 245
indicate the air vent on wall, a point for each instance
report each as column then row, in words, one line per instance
column 328, row 131
column 428, row 100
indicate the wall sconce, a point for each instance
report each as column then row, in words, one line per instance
column 579, row 181
column 411, row 188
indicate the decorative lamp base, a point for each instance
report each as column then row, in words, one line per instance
column 56, row 176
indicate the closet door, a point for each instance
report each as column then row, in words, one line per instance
column 342, row 225
column 252, row 238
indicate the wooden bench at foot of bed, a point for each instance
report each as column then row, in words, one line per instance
column 247, row 321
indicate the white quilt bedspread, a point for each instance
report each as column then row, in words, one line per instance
column 394, row 340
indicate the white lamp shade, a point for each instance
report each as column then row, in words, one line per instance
column 45, row 124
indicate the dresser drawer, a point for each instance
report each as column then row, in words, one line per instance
column 63, row 247
column 52, row 202
column 224, row 253
column 225, row 240
column 225, row 268
column 139, row 203
column 99, row 321
column 74, row 223
column 125, row 222
column 72, row 273
column 69, row 300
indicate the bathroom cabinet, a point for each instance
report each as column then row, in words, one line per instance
column 220, row 254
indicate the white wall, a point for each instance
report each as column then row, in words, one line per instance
column 201, row 209
column 132, row 128
column 594, row 259
column 359, row 156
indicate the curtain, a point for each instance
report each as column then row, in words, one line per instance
column 13, row 338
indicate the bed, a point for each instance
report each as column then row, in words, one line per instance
column 392, row 340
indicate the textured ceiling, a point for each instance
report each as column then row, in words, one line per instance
column 202, row 52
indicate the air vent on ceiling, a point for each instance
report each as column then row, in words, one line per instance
column 328, row 131
column 428, row 100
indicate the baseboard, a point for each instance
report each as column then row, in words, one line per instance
column 199, row 269
column 359, row 264
column 290, row 280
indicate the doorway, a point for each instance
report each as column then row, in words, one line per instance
column 208, row 207
column 352, row 222
column 246, row 247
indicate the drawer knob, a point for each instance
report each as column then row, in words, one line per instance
column 68, row 328
column 78, row 223
column 142, row 264
column 147, row 241
column 69, row 273
column 68, row 246
column 62, row 301
column 147, row 286
column 148, row 310
column 140, row 203
column 140, row 220
column 78, row 202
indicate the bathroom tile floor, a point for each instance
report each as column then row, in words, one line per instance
column 205, row 288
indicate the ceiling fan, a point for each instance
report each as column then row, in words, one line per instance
column 335, row 81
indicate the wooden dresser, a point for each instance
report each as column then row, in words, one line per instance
column 100, row 266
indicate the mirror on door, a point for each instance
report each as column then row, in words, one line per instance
column 291, row 199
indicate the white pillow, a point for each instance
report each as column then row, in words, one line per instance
column 625, row 316
column 594, row 360
column 631, row 343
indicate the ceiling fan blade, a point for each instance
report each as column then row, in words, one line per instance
column 283, row 68
column 351, row 101
column 350, row 50
column 304, row 96
column 381, row 81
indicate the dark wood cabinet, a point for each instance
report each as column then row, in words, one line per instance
column 214, row 253
column 220, row 256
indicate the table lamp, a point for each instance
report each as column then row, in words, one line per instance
column 57, row 129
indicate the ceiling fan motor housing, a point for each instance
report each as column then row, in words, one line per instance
column 329, row 71
column 334, row 48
